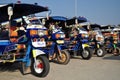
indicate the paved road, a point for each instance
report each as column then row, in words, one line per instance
column 98, row 68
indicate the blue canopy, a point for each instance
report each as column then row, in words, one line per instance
column 58, row 18
column 79, row 20
column 92, row 26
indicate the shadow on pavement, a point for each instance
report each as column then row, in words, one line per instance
column 11, row 67
column 111, row 57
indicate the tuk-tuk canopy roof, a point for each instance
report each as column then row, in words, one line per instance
column 59, row 20
column 20, row 10
column 106, row 27
column 91, row 26
column 55, row 19
column 79, row 19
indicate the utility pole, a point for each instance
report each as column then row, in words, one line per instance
column 76, row 21
column 75, row 8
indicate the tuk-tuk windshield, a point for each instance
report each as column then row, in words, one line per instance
column 35, row 21
column 83, row 29
column 96, row 29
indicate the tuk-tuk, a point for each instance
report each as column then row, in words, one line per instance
column 111, row 34
column 55, row 42
column 77, row 44
column 20, row 39
column 96, row 39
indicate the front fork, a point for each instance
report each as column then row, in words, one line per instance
column 35, row 53
column 55, row 48
column 26, row 63
column 59, row 49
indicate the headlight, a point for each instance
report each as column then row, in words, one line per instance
column 60, row 36
column 42, row 32
column 85, row 35
column 60, row 41
column 71, row 35
column 33, row 32
column 100, row 39
column 38, row 32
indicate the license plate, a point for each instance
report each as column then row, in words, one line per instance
column 39, row 44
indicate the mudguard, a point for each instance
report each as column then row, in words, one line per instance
column 37, row 52
column 85, row 45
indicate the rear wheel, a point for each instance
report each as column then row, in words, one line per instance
column 86, row 53
column 116, row 51
column 64, row 58
column 41, row 67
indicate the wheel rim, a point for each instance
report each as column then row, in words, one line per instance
column 116, row 53
column 62, row 58
column 99, row 51
column 38, row 66
column 85, row 53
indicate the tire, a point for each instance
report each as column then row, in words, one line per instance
column 117, row 53
column 86, row 53
column 100, row 52
column 110, row 50
column 42, row 68
column 64, row 58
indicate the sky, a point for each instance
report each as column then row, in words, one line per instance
column 103, row 12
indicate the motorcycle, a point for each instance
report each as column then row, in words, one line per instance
column 20, row 46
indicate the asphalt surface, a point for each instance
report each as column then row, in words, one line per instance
column 97, row 68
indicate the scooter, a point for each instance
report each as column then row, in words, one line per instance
column 20, row 46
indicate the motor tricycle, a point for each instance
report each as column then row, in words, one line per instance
column 112, row 46
column 97, row 48
column 96, row 39
column 78, row 46
column 55, row 41
column 111, row 41
column 55, row 47
column 18, row 45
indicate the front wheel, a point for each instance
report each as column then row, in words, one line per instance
column 86, row 53
column 64, row 58
column 41, row 67
column 100, row 52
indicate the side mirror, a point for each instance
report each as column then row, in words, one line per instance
column 10, row 12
